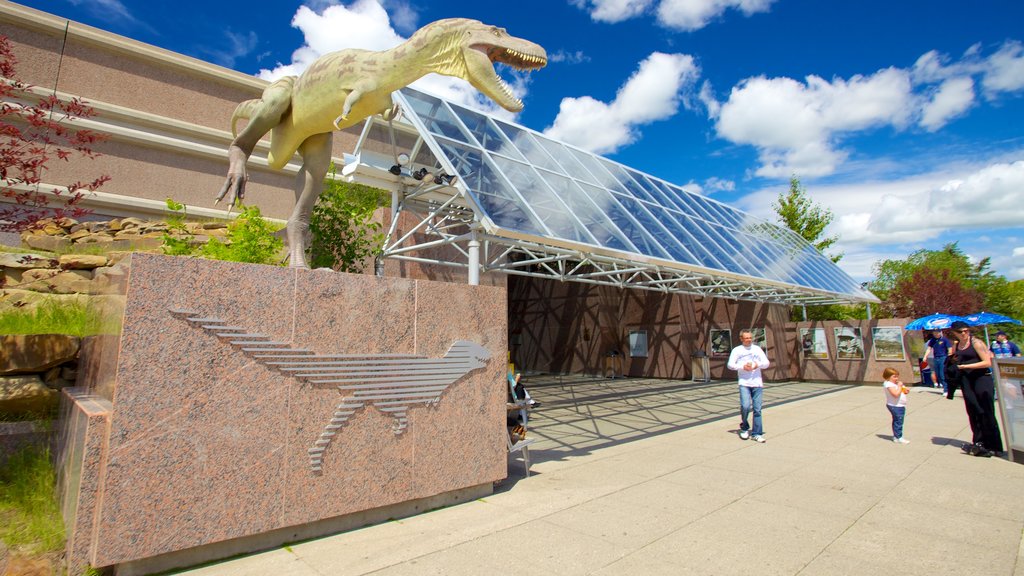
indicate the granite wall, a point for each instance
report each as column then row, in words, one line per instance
column 195, row 441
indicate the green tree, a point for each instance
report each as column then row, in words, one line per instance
column 807, row 218
column 796, row 211
column 946, row 281
column 342, row 225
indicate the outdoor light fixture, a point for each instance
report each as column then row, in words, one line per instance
column 420, row 174
column 402, row 159
column 442, row 178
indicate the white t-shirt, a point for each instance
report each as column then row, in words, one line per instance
column 889, row 399
column 753, row 354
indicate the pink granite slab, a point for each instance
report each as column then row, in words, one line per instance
column 85, row 429
column 470, row 428
column 208, row 444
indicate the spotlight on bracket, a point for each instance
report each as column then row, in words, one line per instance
column 442, row 178
column 420, row 174
column 402, row 160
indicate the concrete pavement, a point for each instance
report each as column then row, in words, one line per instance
column 648, row 477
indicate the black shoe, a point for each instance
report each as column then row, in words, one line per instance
column 534, row 404
column 980, row 451
column 968, row 448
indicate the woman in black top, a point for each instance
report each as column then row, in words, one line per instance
column 974, row 361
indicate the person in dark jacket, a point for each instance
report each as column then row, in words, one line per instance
column 974, row 360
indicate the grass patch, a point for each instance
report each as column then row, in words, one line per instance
column 30, row 517
column 56, row 317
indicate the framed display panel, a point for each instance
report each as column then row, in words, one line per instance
column 813, row 343
column 760, row 338
column 720, row 342
column 888, row 343
column 638, row 343
column 849, row 343
column 1009, row 373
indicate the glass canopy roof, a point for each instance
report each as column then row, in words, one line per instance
column 545, row 208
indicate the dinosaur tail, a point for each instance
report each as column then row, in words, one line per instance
column 243, row 110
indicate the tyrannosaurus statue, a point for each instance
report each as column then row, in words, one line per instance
column 343, row 88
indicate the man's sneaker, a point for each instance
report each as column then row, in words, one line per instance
column 901, row 441
column 744, row 434
column 759, row 438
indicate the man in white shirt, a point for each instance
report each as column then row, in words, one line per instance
column 748, row 360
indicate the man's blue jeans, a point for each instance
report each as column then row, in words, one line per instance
column 939, row 369
column 750, row 398
column 898, row 413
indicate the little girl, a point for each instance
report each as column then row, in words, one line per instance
column 896, row 402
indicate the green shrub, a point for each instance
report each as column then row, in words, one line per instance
column 172, row 245
column 29, row 514
column 251, row 239
column 344, row 233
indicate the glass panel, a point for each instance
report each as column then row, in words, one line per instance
column 475, row 172
column 732, row 245
column 567, row 159
column 651, row 225
column 596, row 209
column 713, row 245
column 597, row 173
column 682, row 201
column 528, row 147
column 559, row 221
column 733, row 217
column 628, row 227
column 650, row 189
column 435, row 115
column 509, row 215
column 678, row 225
column 486, row 134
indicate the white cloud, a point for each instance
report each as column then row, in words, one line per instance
column 891, row 218
column 115, row 12
column 799, row 127
column 652, row 93
column 794, row 125
column 612, row 10
column 576, row 57
column 953, row 98
column 1005, row 69
column 366, row 24
column 914, row 209
column 685, row 15
column 715, row 184
column 689, row 15
column 239, row 45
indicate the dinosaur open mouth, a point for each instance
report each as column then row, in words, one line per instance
column 513, row 59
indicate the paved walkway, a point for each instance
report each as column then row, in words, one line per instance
column 648, row 477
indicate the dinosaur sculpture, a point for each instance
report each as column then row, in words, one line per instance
column 391, row 383
column 343, row 88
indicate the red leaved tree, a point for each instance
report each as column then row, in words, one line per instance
column 928, row 291
column 30, row 136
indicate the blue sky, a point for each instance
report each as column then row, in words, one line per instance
column 905, row 118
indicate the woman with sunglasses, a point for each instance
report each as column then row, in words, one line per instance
column 974, row 361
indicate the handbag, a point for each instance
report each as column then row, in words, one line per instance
column 952, row 368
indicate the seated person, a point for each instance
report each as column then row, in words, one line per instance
column 517, row 394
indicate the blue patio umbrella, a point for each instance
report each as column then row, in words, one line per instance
column 986, row 318
column 933, row 322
